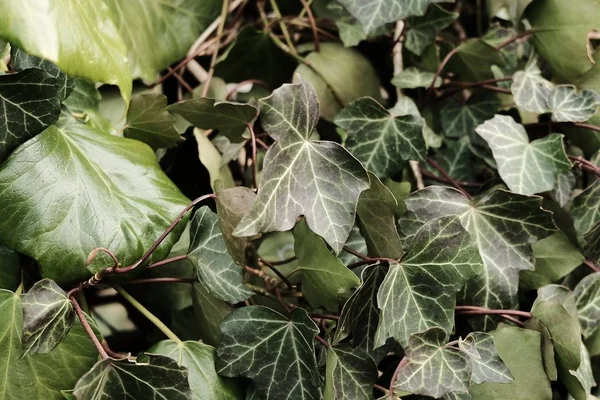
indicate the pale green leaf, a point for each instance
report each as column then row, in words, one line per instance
column 558, row 294
column 217, row 271
column 350, row 374
column 526, row 168
column 89, row 45
column 150, row 377
column 413, row 77
column 212, row 160
column 317, row 179
column 567, row 104
column 421, row 31
column 350, row 30
column 548, row 353
column 587, row 293
column 199, row 360
column 148, row 121
column 420, row 292
column 275, row 352
column 325, row 279
column 485, row 361
column 433, row 369
column 585, row 210
column 381, row 141
column 48, row 316
column 530, row 90
column 460, row 119
column 563, row 188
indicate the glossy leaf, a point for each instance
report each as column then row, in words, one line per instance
column 151, row 376
column 148, row 121
column 420, row 292
column 527, row 168
column 216, row 269
column 275, row 352
column 350, row 374
column 209, row 311
column 474, row 59
column 317, row 179
column 48, row 316
column 587, row 293
column 413, row 77
column 455, row 159
column 530, row 90
column 486, row 363
column 421, row 31
column 569, row 105
column 381, row 141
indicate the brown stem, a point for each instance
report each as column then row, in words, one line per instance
column 181, row 80
column 253, row 136
column 112, row 353
column 325, row 316
column 585, row 165
column 278, row 273
column 439, row 71
column 496, row 89
column 158, row 280
column 435, row 165
column 515, row 38
column 587, row 126
column 513, row 320
column 88, row 328
column 282, row 262
column 476, row 310
column 313, row 24
column 401, row 364
column 433, row 177
column 591, row 265
column 167, row 261
column 322, row 341
column 94, row 253
column 381, row 389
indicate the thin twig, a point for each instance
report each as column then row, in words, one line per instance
column 167, row 261
column 496, row 89
column 237, row 86
column 253, row 142
column 180, row 80
column 381, row 389
column 313, row 24
column 278, row 273
column 435, row 165
column 88, row 328
column 284, row 30
column 213, row 61
column 587, row 126
column 476, row 310
column 589, row 263
column 585, row 165
column 322, row 341
column 431, row 89
column 158, row 280
column 515, row 38
column 325, row 316
column 513, row 320
column 282, row 262
column 115, row 354
column 397, row 52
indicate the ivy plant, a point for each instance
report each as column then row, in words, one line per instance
column 314, row 199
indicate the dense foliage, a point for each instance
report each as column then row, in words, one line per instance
column 280, row 199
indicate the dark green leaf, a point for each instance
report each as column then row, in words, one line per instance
column 209, row 311
column 563, row 188
column 350, row 374
column 148, row 121
column 421, row 31
column 579, row 382
column 150, row 377
column 485, row 361
column 548, row 354
column 474, row 59
column 277, row 353
column 10, row 269
column 591, row 243
column 317, row 179
column 455, row 159
column 585, row 210
column 460, row 120
column 587, row 293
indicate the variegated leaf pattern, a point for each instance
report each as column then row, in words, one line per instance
column 350, row 374
column 587, row 294
column 485, row 361
column 526, row 168
column 421, row 31
column 591, row 243
column 317, row 179
column 420, row 292
column 216, row 269
column 48, row 316
column 563, row 188
column 275, row 352
column 413, row 77
column 530, row 90
column 570, row 105
column 502, row 225
column 460, row 119
column 585, row 210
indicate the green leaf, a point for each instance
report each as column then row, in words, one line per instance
column 360, row 314
column 547, row 347
column 587, row 293
column 211, row 159
column 277, row 353
column 525, row 167
column 350, row 374
column 591, row 243
column 520, row 351
column 585, row 210
column 412, row 78
column 159, row 32
column 199, row 360
column 40, row 376
column 325, row 279
column 569, row 105
column 30, row 102
column 455, row 159
column 421, row 31
column 420, row 292
column 71, row 169
column 381, row 141
column 555, row 257
column 473, row 60
column 460, row 119
column 501, row 223
column 350, row 30
column 217, row 271
column 150, row 377
column 229, row 118
column 433, row 369
column 19, row 61
column 148, row 121
column 10, row 269
column 530, row 90
column 245, row 59
column 563, row 188
column 374, row 13
column 485, row 361
column 559, row 294
column 209, row 311
column 340, row 76
column 317, row 179
column 96, row 52
column 48, row 316
column 579, row 382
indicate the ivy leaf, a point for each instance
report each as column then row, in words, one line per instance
column 72, row 168
column 460, row 120
column 587, row 293
column 381, row 141
column 150, row 377
column 474, row 59
column 579, row 382
column 591, row 243
column 317, row 179
column 432, row 368
column 199, row 360
column 455, row 159
column 585, row 210
column 530, row 90
column 501, row 223
column 526, row 168
column 376, row 214
column 563, row 188
column 360, row 315
column 40, row 376
column 277, row 353
column 48, row 316
column 324, row 278
column 374, row 13
column 160, row 32
column 569, row 105
column 10, row 269
column 229, row 118
column 20, row 60
column 350, row 30
column 486, row 363
column 350, row 374
column 209, row 311
column 420, row 291
column 30, row 102
column 148, row 121
column 39, row 29
column 421, row 31
column 217, row 271
column 520, row 351
column 412, row 78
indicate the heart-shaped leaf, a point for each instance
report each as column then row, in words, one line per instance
column 421, row 31
column 149, row 122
